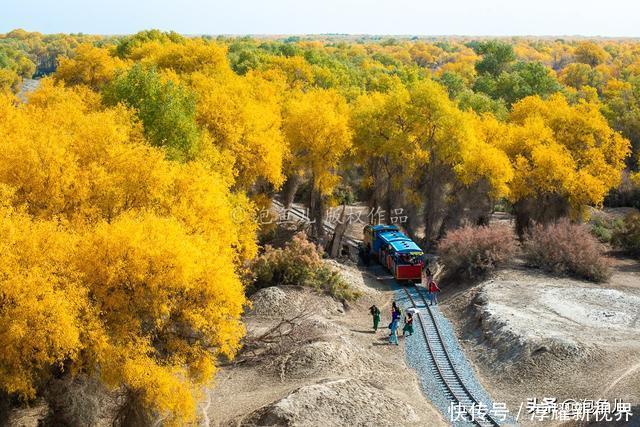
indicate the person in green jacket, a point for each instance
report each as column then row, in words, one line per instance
column 375, row 312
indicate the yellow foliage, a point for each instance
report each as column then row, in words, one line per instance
column 438, row 131
column 484, row 158
column 42, row 301
column 183, row 58
column 242, row 115
column 590, row 53
column 564, row 150
column 295, row 70
column 316, row 126
column 9, row 80
column 115, row 261
column 90, row 65
column 422, row 130
column 463, row 63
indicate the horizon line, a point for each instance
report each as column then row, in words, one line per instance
column 338, row 34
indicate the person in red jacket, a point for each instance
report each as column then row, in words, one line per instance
column 433, row 289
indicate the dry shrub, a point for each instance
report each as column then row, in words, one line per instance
column 299, row 263
column 473, row 252
column 567, row 248
column 627, row 234
column 280, row 339
column 132, row 411
column 74, row 401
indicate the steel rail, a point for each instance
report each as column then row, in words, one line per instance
column 449, row 368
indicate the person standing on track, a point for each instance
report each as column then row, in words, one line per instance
column 433, row 289
column 375, row 312
column 393, row 338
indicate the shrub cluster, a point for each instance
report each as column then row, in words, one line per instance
column 567, row 248
column 299, row 263
column 473, row 252
column 603, row 228
column 627, row 234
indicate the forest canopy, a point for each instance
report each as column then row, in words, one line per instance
column 131, row 177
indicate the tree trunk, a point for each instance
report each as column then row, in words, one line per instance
column 389, row 199
column 338, row 235
column 290, row 188
column 541, row 210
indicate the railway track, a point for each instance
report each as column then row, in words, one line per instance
column 442, row 366
column 444, row 369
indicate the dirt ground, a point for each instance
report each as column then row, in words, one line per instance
column 344, row 375
column 533, row 335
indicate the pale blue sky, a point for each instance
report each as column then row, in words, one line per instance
column 423, row 17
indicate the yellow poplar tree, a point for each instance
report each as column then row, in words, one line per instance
column 446, row 159
column 565, row 157
column 243, row 117
column 116, row 261
column 90, row 65
column 316, row 125
column 380, row 141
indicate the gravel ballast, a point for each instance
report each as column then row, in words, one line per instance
column 418, row 357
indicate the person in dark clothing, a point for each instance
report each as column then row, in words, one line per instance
column 395, row 311
column 395, row 314
column 375, row 312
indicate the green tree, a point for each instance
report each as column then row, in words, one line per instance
column 496, row 57
column 622, row 109
column 526, row 79
column 166, row 109
column 454, row 83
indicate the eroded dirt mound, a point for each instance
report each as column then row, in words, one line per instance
column 532, row 334
column 526, row 320
column 327, row 357
column 284, row 301
column 345, row 401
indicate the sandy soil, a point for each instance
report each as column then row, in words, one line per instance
column 345, row 374
column 532, row 335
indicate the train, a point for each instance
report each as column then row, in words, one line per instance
column 395, row 251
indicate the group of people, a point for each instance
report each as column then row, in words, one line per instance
column 396, row 313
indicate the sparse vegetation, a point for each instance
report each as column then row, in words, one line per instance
column 299, row 263
column 603, row 229
column 473, row 252
column 567, row 248
column 627, row 234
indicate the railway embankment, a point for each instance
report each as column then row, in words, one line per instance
column 533, row 335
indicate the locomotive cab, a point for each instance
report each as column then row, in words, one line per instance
column 395, row 251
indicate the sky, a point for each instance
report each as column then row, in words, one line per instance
column 612, row 18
